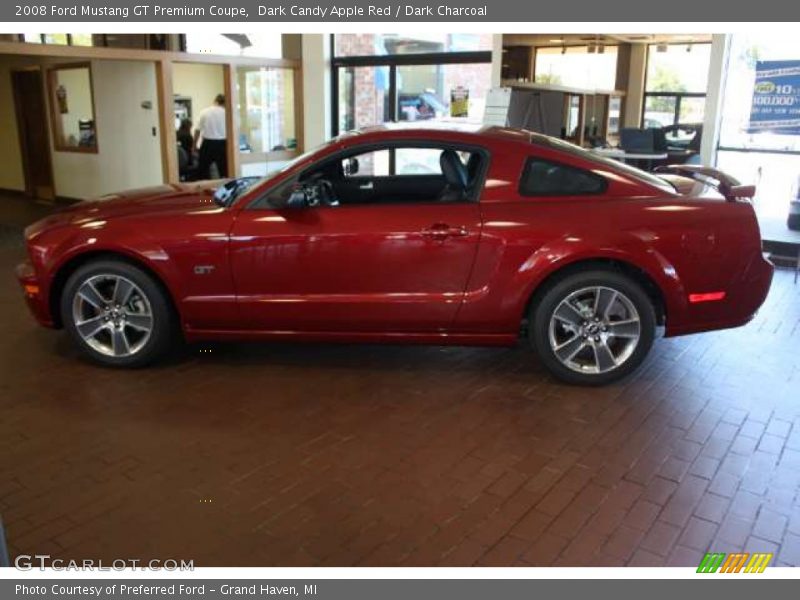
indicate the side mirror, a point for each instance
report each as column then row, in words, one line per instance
column 351, row 167
column 224, row 193
column 297, row 199
column 230, row 190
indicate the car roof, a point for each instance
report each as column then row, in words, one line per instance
column 457, row 126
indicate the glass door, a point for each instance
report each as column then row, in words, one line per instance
column 267, row 131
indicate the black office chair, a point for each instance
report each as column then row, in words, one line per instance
column 187, row 169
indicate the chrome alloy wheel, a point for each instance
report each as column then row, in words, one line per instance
column 112, row 315
column 594, row 330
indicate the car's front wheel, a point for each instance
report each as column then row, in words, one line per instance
column 592, row 327
column 116, row 314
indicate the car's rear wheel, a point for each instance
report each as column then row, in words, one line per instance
column 116, row 314
column 592, row 327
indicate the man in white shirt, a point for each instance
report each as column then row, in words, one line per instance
column 211, row 128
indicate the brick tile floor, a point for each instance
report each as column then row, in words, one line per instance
column 364, row 455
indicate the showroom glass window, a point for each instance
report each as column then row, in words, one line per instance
column 379, row 78
column 676, row 83
column 768, row 159
column 583, row 67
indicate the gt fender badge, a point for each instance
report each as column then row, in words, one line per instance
column 203, row 269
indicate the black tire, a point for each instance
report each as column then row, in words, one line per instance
column 160, row 313
column 551, row 298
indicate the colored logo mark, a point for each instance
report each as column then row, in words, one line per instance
column 745, row 562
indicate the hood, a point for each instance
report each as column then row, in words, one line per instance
column 152, row 199
column 164, row 199
column 175, row 198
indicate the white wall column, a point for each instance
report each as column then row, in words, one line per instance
column 717, row 71
column 634, row 93
column 497, row 59
column 317, row 104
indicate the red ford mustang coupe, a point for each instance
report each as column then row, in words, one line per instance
column 439, row 236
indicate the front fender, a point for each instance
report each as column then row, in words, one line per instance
column 50, row 259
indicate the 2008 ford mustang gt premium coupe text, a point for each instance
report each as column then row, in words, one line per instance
column 393, row 234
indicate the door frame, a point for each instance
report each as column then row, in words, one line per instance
column 30, row 188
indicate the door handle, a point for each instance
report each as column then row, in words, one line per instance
column 442, row 231
column 366, row 186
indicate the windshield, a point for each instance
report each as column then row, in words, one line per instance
column 633, row 172
column 287, row 167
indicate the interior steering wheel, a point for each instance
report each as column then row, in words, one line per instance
column 319, row 192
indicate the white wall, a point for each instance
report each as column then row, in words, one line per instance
column 634, row 97
column 317, row 103
column 497, row 59
column 129, row 155
column 717, row 67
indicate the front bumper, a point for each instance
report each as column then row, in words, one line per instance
column 35, row 294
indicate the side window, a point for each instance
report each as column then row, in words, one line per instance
column 417, row 161
column 407, row 161
column 279, row 196
column 545, row 178
column 397, row 174
column 369, row 164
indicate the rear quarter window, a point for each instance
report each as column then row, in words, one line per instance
column 548, row 178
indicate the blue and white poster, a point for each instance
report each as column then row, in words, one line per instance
column 776, row 98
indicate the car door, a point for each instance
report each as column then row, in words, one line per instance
column 363, row 266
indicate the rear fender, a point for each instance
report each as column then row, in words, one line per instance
column 552, row 258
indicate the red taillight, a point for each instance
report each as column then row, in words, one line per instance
column 706, row 297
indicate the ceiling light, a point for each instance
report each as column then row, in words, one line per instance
column 661, row 48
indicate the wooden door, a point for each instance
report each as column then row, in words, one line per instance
column 29, row 100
